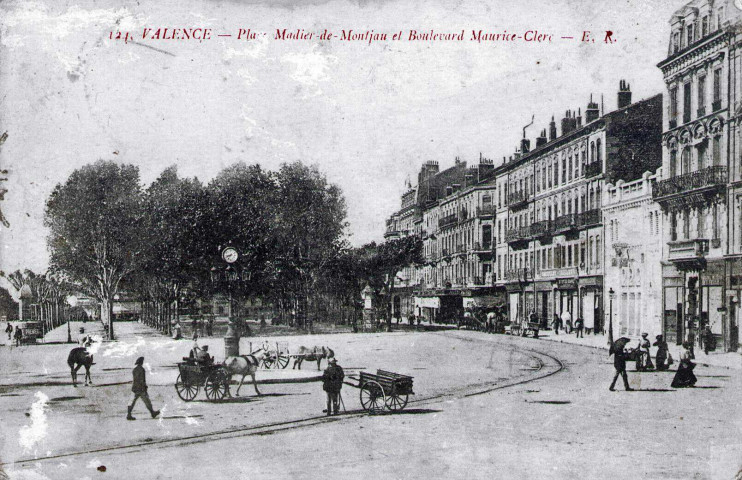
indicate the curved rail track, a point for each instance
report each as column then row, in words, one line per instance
column 548, row 365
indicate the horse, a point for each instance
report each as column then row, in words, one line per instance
column 312, row 354
column 79, row 357
column 243, row 365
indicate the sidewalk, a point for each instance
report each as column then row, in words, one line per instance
column 716, row 359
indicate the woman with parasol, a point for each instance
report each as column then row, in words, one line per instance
column 685, row 377
column 619, row 362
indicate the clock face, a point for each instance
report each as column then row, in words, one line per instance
column 230, row 255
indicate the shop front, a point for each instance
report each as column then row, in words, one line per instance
column 566, row 297
column 591, row 303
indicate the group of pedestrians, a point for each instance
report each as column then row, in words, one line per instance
column 565, row 323
column 14, row 336
column 684, row 377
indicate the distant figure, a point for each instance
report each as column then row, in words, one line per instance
column 556, row 324
column 662, row 353
column 262, row 322
column 9, row 330
column 84, row 340
column 194, row 328
column 139, row 388
column 202, row 356
column 18, row 336
column 332, row 382
column 579, row 327
column 644, row 362
column 177, row 331
column 210, row 326
column 619, row 363
column 567, row 321
column 685, row 377
column 411, row 319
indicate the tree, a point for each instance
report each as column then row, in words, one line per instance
column 8, row 306
column 383, row 263
column 176, row 241
column 308, row 230
column 95, row 221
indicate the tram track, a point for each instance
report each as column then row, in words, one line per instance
column 550, row 367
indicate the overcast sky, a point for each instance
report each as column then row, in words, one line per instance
column 367, row 115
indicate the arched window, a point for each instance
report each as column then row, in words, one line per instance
column 673, row 160
column 592, row 152
column 570, row 167
column 598, row 152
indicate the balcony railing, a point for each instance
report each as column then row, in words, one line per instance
column 517, row 234
column 565, row 222
column 708, row 177
column 478, row 247
column 447, row 221
column 591, row 217
column 563, row 272
column 518, row 275
column 517, row 199
column 485, row 211
column 542, row 228
column 716, row 106
column 685, row 250
column 593, row 169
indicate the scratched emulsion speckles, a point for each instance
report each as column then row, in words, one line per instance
column 30, row 435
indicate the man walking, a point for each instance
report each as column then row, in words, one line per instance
column 619, row 362
column 9, row 330
column 332, row 382
column 579, row 324
column 139, row 387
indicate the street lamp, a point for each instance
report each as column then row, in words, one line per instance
column 231, row 276
column 611, row 294
column 72, row 300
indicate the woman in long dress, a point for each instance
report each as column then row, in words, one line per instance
column 685, row 376
column 662, row 351
column 644, row 362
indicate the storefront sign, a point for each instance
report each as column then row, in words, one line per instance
column 428, row 302
column 566, row 283
column 591, row 282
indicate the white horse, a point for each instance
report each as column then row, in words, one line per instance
column 312, row 354
column 243, row 365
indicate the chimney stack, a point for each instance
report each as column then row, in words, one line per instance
column 624, row 94
column 552, row 129
column 591, row 112
column 541, row 139
column 579, row 117
column 569, row 122
column 525, row 145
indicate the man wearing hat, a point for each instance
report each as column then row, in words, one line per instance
column 139, row 387
column 332, row 382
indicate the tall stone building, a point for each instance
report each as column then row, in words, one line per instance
column 699, row 191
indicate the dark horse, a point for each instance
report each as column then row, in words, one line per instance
column 77, row 358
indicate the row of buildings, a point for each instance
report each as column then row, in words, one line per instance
column 635, row 211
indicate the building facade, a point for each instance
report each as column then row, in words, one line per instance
column 699, row 191
column 632, row 271
column 528, row 233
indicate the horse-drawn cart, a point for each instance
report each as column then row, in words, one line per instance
column 213, row 378
column 383, row 390
column 278, row 358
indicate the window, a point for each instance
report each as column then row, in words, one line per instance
column 701, row 227
column 564, row 170
column 676, row 42
column 704, row 26
column 598, row 151
column 685, row 161
column 538, row 175
column 577, row 165
column 715, row 222
column 597, row 250
column 686, row 102
column 689, row 34
column 686, row 224
column 673, row 226
column 701, row 96
column 719, row 17
column 673, row 161
column 716, row 151
column 570, row 167
column 592, row 152
column 701, row 151
column 674, row 104
column 717, row 87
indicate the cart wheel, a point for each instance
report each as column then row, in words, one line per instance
column 215, row 387
column 397, row 401
column 282, row 361
column 372, row 397
column 186, row 391
column 267, row 362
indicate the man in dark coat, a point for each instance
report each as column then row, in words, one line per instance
column 139, row 387
column 619, row 362
column 332, row 382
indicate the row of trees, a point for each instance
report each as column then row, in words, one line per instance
column 108, row 233
column 45, row 298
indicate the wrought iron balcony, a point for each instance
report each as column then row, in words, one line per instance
column 448, row 221
column 710, row 177
column 563, row 272
column 518, row 275
column 589, row 218
column 565, row 223
column 518, row 199
column 543, row 228
column 716, row 106
column 517, row 234
column 482, row 248
column 593, row 169
column 485, row 211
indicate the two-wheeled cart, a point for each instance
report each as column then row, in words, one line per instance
column 383, row 390
column 192, row 376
